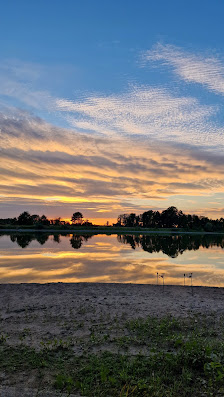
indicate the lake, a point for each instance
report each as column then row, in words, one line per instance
column 43, row 258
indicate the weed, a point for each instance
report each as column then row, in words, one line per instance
column 64, row 383
column 3, row 338
column 56, row 344
column 183, row 360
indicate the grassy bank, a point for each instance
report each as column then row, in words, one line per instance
column 140, row 357
column 103, row 230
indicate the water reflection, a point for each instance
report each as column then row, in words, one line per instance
column 24, row 239
column 77, row 240
column 172, row 245
column 39, row 257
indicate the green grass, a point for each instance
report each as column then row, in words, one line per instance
column 174, row 358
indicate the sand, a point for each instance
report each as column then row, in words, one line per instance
column 37, row 314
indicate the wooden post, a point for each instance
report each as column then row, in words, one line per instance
column 191, row 277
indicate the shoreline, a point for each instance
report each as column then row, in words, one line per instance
column 139, row 299
column 91, row 283
column 105, row 231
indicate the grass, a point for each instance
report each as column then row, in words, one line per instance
column 154, row 357
column 100, row 229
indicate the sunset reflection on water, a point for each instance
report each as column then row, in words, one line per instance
column 41, row 258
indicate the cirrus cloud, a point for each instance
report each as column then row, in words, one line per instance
column 204, row 70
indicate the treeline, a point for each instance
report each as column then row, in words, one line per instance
column 37, row 221
column 26, row 219
column 170, row 218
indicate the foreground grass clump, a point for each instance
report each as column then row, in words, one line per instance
column 174, row 358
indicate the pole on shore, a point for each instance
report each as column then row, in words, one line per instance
column 191, row 277
column 162, row 276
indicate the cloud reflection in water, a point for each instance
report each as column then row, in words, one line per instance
column 100, row 258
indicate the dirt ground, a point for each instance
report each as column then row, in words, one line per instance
column 47, row 315
column 33, row 313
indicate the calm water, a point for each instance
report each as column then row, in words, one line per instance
column 45, row 258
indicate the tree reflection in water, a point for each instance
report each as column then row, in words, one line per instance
column 23, row 240
column 77, row 240
column 171, row 245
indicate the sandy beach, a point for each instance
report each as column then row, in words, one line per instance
column 44, row 308
column 40, row 315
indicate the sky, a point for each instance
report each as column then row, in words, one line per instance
column 111, row 107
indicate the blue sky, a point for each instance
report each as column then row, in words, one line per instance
column 121, row 103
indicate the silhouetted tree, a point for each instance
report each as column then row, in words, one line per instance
column 77, row 218
column 208, row 227
column 147, row 219
column 25, row 219
column 170, row 217
column 35, row 219
column 57, row 221
column 44, row 221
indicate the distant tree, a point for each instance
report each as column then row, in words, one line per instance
column 87, row 223
column 119, row 219
column 77, row 218
column 57, row 221
column 196, row 223
column 35, row 218
column 203, row 221
column 25, row 219
column 122, row 220
column 208, row 227
column 170, row 217
column 8, row 221
column 44, row 221
column 132, row 220
column 147, row 218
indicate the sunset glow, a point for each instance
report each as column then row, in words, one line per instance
column 110, row 124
